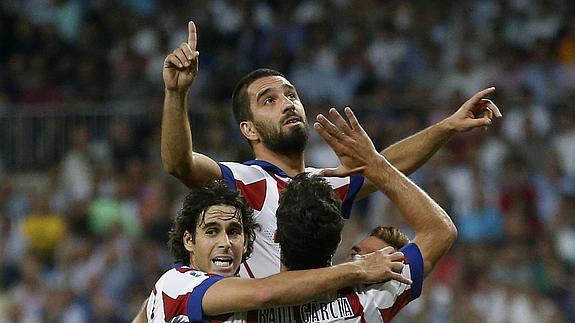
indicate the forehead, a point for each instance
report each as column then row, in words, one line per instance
column 371, row 244
column 221, row 214
column 267, row 82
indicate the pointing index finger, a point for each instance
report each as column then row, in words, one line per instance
column 192, row 35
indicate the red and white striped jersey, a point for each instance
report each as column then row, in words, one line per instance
column 261, row 183
column 366, row 304
column 177, row 297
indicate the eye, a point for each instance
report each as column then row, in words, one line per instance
column 292, row 96
column 268, row 101
column 211, row 232
column 235, row 232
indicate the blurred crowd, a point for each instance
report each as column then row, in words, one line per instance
column 84, row 217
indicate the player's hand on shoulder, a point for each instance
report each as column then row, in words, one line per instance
column 382, row 265
column 181, row 65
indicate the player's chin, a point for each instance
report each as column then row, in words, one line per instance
column 227, row 271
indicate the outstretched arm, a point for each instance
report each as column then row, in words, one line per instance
column 434, row 230
column 178, row 157
column 411, row 153
column 300, row 286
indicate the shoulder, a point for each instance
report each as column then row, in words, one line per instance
column 238, row 169
column 183, row 277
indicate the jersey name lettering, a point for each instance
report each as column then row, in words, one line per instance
column 339, row 308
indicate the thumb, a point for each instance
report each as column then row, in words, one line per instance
column 329, row 172
column 341, row 171
column 481, row 122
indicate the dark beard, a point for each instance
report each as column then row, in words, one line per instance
column 292, row 143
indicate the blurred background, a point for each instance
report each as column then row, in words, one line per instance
column 85, row 205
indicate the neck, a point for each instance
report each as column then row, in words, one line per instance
column 291, row 164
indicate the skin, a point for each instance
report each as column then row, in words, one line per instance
column 195, row 169
column 365, row 246
column 219, row 236
column 277, row 111
column 434, row 230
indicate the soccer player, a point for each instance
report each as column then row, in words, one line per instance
column 211, row 235
column 309, row 230
column 299, row 216
column 272, row 118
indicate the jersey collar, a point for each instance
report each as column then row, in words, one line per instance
column 267, row 166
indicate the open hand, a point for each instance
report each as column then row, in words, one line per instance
column 350, row 142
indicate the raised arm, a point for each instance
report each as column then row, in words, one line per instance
column 434, row 230
column 178, row 157
column 411, row 153
column 300, row 286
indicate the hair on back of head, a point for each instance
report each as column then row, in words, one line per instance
column 309, row 222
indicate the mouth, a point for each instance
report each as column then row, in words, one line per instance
column 293, row 120
column 223, row 262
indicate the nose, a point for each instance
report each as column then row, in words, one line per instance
column 288, row 105
column 224, row 241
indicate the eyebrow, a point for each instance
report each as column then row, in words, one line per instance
column 262, row 93
column 216, row 224
column 210, row 225
column 269, row 89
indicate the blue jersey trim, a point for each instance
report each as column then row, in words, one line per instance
column 355, row 183
column 228, row 176
column 415, row 261
column 267, row 166
column 195, row 312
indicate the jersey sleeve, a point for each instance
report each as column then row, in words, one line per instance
column 179, row 293
column 390, row 297
column 355, row 183
column 195, row 312
column 346, row 188
column 228, row 176
column 414, row 259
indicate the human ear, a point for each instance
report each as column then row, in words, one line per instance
column 188, row 241
column 249, row 130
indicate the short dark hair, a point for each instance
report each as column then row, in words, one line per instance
column 240, row 99
column 191, row 215
column 392, row 236
column 309, row 223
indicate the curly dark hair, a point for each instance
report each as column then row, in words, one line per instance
column 191, row 215
column 309, row 223
column 240, row 98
